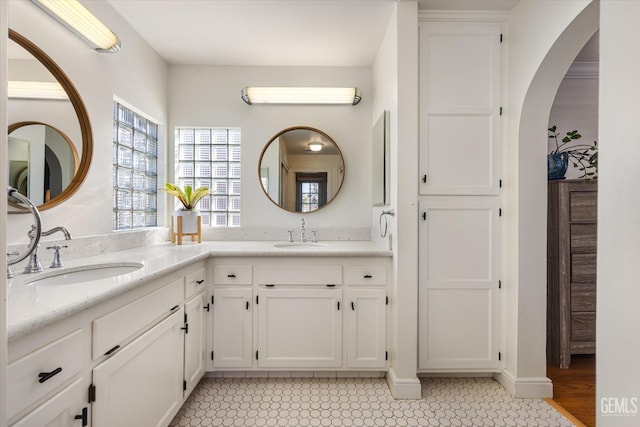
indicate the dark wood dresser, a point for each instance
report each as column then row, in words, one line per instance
column 571, row 269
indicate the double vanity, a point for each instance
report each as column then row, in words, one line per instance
column 122, row 339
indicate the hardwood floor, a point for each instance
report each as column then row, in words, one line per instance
column 574, row 389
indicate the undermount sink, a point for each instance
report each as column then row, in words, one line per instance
column 300, row 245
column 85, row 273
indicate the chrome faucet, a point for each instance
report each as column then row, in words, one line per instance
column 34, row 265
column 302, row 236
column 34, row 233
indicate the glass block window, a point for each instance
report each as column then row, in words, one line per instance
column 135, row 179
column 210, row 157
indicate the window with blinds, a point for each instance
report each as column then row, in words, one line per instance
column 210, row 157
column 135, row 163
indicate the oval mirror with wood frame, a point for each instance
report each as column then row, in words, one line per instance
column 46, row 122
column 301, row 169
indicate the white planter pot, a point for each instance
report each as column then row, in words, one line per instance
column 189, row 221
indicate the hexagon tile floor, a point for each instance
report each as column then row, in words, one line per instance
column 359, row 402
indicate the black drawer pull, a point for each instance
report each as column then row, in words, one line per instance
column 331, row 286
column 83, row 417
column 44, row 376
column 270, row 285
column 247, row 306
column 231, row 276
column 185, row 328
column 200, row 282
column 368, row 276
column 353, row 307
column 174, row 308
column 113, row 350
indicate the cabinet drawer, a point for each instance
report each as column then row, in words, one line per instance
column 583, row 238
column 60, row 410
column 194, row 282
column 232, row 275
column 116, row 327
column 583, row 326
column 365, row 275
column 300, row 275
column 583, row 297
column 583, row 268
column 584, row 206
column 26, row 380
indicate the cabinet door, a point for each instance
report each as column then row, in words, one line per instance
column 194, row 341
column 59, row 411
column 141, row 384
column 459, row 108
column 300, row 328
column 458, row 308
column 232, row 328
column 366, row 328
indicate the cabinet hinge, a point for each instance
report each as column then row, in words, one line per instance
column 500, row 110
column 212, row 355
column 184, row 385
column 499, row 211
column 185, row 318
column 256, row 299
column 386, row 300
column 92, row 393
column 499, row 284
column 500, row 38
column 338, row 305
column 256, row 354
column 386, row 355
column 499, row 356
column 500, row 183
column 212, row 299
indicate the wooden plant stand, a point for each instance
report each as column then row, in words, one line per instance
column 177, row 235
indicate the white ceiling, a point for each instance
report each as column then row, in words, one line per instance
column 261, row 32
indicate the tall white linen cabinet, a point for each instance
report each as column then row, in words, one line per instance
column 459, row 195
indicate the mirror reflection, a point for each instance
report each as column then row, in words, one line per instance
column 42, row 161
column 301, row 169
column 50, row 143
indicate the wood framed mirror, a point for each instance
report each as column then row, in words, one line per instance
column 77, row 109
column 301, row 169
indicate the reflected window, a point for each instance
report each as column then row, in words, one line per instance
column 210, row 157
column 135, row 164
column 311, row 191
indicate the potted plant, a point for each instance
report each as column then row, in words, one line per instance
column 189, row 199
column 582, row 156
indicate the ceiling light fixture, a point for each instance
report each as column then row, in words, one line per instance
column 83, row 23
column 36, row 90
column 301, row 95
column 315, row 146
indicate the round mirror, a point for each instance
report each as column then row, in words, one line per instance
column 301, row 169
column 50, row 143
column 42, row 161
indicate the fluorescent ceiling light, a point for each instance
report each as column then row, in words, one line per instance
column 83, row 23
column 301, row 95
column 36, row 90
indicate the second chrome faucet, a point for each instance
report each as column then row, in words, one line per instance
column 34, row 265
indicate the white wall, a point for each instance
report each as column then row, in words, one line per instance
column 617, row 369
column 540, row 52
column 136, row 74
column 3, row 214
column 575, row 107
column 210, row 96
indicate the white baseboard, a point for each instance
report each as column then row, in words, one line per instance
column 528, row 387
column 403, row 388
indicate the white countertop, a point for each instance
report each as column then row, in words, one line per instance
column 32, row 306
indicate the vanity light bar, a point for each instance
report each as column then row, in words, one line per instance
column 301, row 95
column 83, row 23
column 36, row 90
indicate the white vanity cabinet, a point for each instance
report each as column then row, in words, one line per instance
column 366, row 328
column 300, row 328
column 67, row 408
column 232, row 327
column 141, row 384
column 195, row 312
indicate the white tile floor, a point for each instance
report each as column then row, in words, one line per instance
column 359, row 402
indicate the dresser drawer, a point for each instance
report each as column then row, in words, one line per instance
column 27, row 379
column 583, row 238
column 124, row 323
column 232, row 275
column 300, row 275
column 365, row 275
column 583, row 326
column 583, row 297
column 584, row 206
column 583, row 268
column 194, row 282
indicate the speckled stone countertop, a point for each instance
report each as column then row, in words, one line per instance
column 32, row 306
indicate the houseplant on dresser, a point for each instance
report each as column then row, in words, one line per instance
column 582, row 156
column 186, row 220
